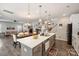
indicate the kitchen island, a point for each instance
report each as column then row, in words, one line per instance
column 37, row 47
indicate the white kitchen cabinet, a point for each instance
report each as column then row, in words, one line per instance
column 75, row 29
column 48, row 44
column 37, row 51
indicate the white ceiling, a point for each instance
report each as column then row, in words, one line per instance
column 20, row 10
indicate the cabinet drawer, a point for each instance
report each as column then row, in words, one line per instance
column 46, row 46
column 37, row 51
column 26, row 51
column 52, row 40
column 52, row 43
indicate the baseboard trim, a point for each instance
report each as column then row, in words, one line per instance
column 61, row 39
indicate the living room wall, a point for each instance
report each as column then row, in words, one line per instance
column 4, row 26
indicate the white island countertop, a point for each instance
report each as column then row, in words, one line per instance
column 30, row 42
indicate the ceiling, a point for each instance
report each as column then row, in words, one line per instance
column 19, row 11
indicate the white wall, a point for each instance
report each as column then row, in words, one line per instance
column 4, row 26
column 62, row 31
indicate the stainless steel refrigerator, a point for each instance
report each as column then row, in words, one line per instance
column 69, row 34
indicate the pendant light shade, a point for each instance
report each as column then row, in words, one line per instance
column 40, row 20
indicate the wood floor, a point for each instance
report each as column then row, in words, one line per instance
column 61, row 48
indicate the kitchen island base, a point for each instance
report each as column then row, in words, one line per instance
column 41, row 49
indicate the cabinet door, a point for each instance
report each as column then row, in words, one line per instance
column 46, row 46
column 37, row 51
column 73, row 41
column 52, row 40
column 25, row 50
column 78, row 48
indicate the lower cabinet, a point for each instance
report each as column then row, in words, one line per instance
column 25, row 51
column 48, row 44
column 39, row 50
column 52, row 40
column 75, row 44
column 36, row 51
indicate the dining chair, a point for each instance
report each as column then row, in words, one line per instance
column 15, row 42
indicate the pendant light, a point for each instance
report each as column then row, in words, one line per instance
column 45, row 21
column 28, row 15
column 40, row 20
